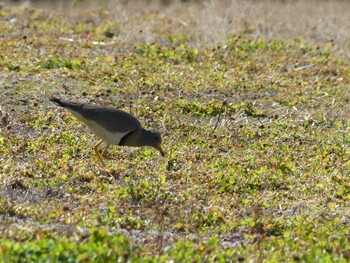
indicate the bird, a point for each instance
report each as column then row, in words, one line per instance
column 113, row 126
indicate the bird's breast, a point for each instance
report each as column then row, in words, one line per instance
column 109, row 137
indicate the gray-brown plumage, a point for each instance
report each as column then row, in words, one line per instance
column 113, row 126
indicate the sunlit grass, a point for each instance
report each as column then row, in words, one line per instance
column 256, row 131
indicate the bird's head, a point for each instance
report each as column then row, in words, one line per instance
column 155, row 141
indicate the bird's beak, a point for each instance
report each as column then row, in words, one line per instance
column 159, row 148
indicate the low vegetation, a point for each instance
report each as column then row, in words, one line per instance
column 256, row 131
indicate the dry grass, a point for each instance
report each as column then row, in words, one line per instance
column 210, row 22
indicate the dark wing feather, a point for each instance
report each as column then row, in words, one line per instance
column 113, row 120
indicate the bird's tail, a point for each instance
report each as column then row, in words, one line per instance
column 57, row 101
column 72, row 106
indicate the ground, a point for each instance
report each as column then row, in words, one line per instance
column 251, row 99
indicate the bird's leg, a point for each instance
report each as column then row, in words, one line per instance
column 96, row 152
column 104, row 153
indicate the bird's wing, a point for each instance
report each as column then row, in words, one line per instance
column 113, row 120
